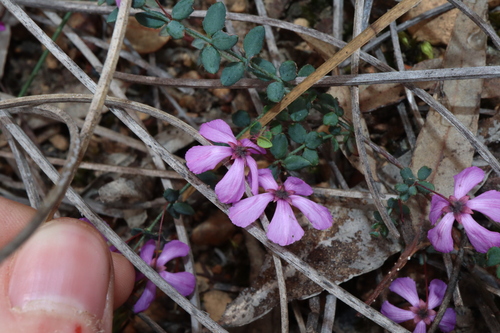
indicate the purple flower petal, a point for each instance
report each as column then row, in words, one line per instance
column 420, row 328
column 396, row 314
column 248, row 210
column 147, row 297
column 183, row 282
column 481, row 238
column 203, row 158
column 437, row 206
column 284, row 228
column 254, row 172
column 2, row 26
column 254, row 149
column 406, row 288
column 487, row 203
column 466, row 180
column 298, row 186
column 118, row 2
column 266, row 180
column 171, row 250
column 231, row 187
column 449, row 320
column 440, row 235
column 147, row 251
column 319, row 216
column 218, row 131
column 437, row 288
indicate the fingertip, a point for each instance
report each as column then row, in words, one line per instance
column 124, row 278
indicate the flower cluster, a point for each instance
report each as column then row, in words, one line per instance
column 420, row 312
column 184, row 282
column 284, row 228
column 459, row 207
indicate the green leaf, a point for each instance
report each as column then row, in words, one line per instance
column 299, row 116
column 275, row 91
column 175, row 29
column 253, row 42
column 138, row 3
column 306, row 70
column 280, row 146
column 330, row 119
column 112, row 16
column 182, row 9
column 424, row 172
column 493, row 256
column 407, row 174
column 264, row 142
column 209, row 178
column 110, row 2
column 183, row 208
column 172, row 212
column 171, row 195
column 210, row 59
column 297, row 133
column 150, row 20
column 255, row 128
column 401, row 188
column 295, row 162
column 426, row 49
column 428, row 185
column 277, row 129
column 335, row 144
column 299, row 104
column 264, row 65
column 311, row 155
column 498, row 272
column 223, row 41
column 232, row 73
column 198, row 43
column 288, row 70
column 101, row 2
column 313, row 140
column 215, row 18
column 241, row 118
column 412, row 190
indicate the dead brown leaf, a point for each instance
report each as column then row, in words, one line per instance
column 342, row 252
column 439, row 145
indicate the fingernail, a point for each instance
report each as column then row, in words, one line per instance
column 63, row 267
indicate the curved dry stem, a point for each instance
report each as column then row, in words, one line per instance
column 57, row 193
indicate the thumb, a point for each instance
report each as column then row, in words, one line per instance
column 61, row 280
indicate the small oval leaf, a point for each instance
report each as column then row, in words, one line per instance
column 275, row 91
column 210, row 59
column 223, row 41
column 175, row 29
column 280, row 146
column 241, row 118
column 232, row 73
column 215, row 18
column 182, row 9
column 288, row 70
column 149, row 20
column 295, row 162
column 253, row 42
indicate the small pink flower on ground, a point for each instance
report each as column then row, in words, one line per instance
column 203, row 158
column 284, row 228
column 420, row 312
column 2, row 26
column 184, row 282
column 460, row 208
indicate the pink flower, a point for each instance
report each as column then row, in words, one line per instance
column 184, row 282
column 2, row 26
column 118, row 3
column 202, row 158
column 459, row 207
column 284, row 228
column 421, row 312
